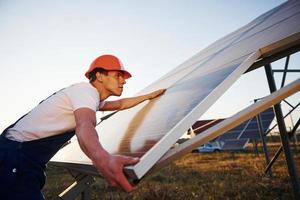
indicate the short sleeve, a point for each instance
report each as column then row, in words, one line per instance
column 83, row 95
column 102, row 103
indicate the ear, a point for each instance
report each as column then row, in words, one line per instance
column 99, row 77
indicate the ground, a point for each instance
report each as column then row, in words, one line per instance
column 222, row 175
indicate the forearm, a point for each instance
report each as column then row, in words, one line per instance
column 89, row 142
column 132, row 101
column 126, row 103
column 109, row 166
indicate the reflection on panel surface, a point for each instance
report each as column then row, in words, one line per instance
column 192, row 88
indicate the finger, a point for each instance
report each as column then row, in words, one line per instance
column 157, row 93
column 124, row 183
column 161, row 91
column 110, row 178
column 130, row 160
column 113, row 183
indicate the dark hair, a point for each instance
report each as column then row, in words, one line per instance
column 92, row 75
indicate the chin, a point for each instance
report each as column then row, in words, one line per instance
column 117, row 94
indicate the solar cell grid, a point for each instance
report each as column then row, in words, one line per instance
column 230, row 135
column 250, row 135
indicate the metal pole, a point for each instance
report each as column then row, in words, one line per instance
column 293, row 132
column 283, row 135
column 288, row 103
column 255, row 147
column 283, row 118
column 260, row 128
column 285, row 68
column 273, row 159
column 79, row 188
column 290, row 70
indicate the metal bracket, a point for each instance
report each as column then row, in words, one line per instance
column 80, row 187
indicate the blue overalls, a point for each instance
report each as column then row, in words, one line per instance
column 22, row 165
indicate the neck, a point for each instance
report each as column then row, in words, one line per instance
column 103, row 93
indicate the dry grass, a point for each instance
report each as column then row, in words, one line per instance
column 225, row 175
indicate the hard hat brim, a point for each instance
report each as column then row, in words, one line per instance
column 127, row 75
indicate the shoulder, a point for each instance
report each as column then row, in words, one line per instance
column 83, row 95
column 81, row 85
column 82, row 88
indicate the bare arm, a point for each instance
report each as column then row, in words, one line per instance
column 109, row 166
column 126, row 103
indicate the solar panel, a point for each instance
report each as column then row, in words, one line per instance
column 235, row 144
column 230, row 135
column 252, row 130
column 227, row 124
column 234, row 133
column 151, row 128
column 244, row 131
column 202, row 125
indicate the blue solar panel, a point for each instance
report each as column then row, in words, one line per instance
column 235, row 144
column 239, row 136
column 230, row 135
column 246, row 130
column 252, row 130
column 235, row 132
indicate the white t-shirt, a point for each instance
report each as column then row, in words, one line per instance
column 55, row 115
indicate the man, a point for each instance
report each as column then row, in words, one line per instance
column 27, row 145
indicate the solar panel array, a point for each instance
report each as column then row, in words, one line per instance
column 227, row 124
column 151, row 128
column 239, row 136
column 250, row 129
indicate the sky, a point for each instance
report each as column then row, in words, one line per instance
column 48, row 45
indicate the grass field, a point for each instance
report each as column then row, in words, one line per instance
column 224, row 175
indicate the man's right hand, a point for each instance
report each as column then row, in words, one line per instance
column 111, row 168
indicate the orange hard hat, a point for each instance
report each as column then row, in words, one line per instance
column 108, row 62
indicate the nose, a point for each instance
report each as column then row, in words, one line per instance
column 122, row 80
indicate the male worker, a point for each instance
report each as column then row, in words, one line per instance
column 27, row 145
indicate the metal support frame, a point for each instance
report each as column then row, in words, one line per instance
column 280, row 148
column 288, row 103
column 283, row 118
column 293, row 133
column 255, row 147
column 269, row 59
column 282, row 70
column 285, row 70
column 283, row 135
column 261, row 133
column 81, row 187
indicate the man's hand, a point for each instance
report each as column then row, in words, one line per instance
column 156, row 93
column 111, row 168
